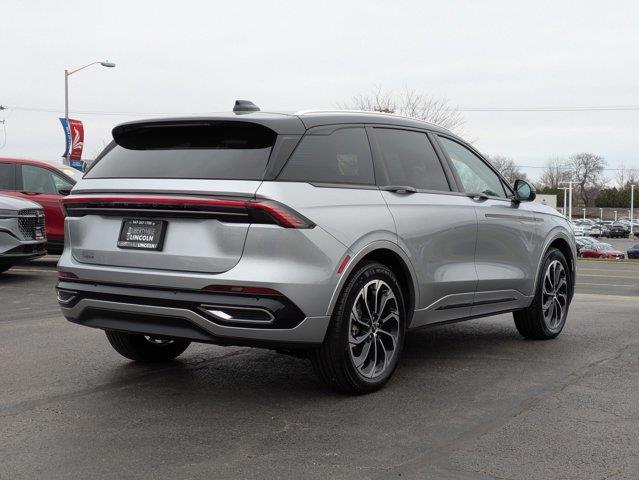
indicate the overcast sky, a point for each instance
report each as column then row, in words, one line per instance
column 190, row 57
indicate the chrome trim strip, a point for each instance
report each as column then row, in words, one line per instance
column 225, row 317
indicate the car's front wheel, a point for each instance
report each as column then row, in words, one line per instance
column 365, row 339
column 144, row 348
column 546, row 316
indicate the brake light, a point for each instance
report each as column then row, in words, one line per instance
column 259, row 211
column 283, row 216
column 241, row 289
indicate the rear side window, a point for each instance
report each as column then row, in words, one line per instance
column 7, row 176
column 410, row 160
column 216, row 150
column 344, row 156
column 37, row 180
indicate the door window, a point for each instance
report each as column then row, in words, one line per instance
column 61, row 183
column 410, row 160
column 37, row 180
column 475, row 175
column 344, row 156
column 7, row 176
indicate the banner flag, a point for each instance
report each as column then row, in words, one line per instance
column 74, row 136
column 67, row 136
column 77, row 139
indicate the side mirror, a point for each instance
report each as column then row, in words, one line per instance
column 64, row 191
column 524, row 191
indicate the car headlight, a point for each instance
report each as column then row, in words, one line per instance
column 8, row 213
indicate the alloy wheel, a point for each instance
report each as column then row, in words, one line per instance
column 554, row 295
column 374, row 329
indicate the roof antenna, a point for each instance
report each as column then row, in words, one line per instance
column 245, row 106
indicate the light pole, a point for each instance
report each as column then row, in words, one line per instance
column 565, row 189
column 569, row 198
column 632, row 207
column 615, row 215
column 584, row 210
column 601, row 214
column 67, row 74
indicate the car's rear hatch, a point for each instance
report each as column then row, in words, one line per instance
column 171, row 196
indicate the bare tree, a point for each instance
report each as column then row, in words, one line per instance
column 507, row 167
column 411, row 104
column 620, row 176
column 626, row 176
column 555, row 172
column 587, row 170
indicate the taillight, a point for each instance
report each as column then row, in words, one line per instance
column 282, row 215
column 239, row 210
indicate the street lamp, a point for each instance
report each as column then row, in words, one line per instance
column 565, row 189
column 569, row 198
column 68, row 73
column 632, row 208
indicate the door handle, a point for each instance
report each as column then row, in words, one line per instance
column 399, row 189
column 478, row 197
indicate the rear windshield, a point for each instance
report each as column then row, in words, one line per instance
column 226, row 151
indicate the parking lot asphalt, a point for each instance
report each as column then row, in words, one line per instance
column 471, row 400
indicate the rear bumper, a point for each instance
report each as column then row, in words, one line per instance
column 228, row 319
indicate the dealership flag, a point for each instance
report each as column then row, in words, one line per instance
column 74, row 135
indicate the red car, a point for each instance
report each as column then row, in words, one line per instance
column 44, row 183
column 601, row 251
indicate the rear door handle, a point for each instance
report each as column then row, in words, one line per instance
column 399, row 189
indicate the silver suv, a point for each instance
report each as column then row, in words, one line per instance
column 22, row 234
column 324, row 233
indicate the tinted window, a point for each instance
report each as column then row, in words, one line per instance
column 37, row 180
column 61, row 183
column 238, row 151
column 344, row 156
column 7, row 176
column 410, row 159
column 475, row 175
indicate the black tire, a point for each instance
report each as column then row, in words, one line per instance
column 530, row 322
column 332, row 361
column 145, row 349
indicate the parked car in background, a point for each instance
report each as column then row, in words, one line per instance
column 578, row 229
column 605, row 228
column 618, row 230
column 633, row 252
column 43, row 183
column 22, row 231
column 328, row 234
column 582, row 242
column 601, row 250
column 594, row 230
